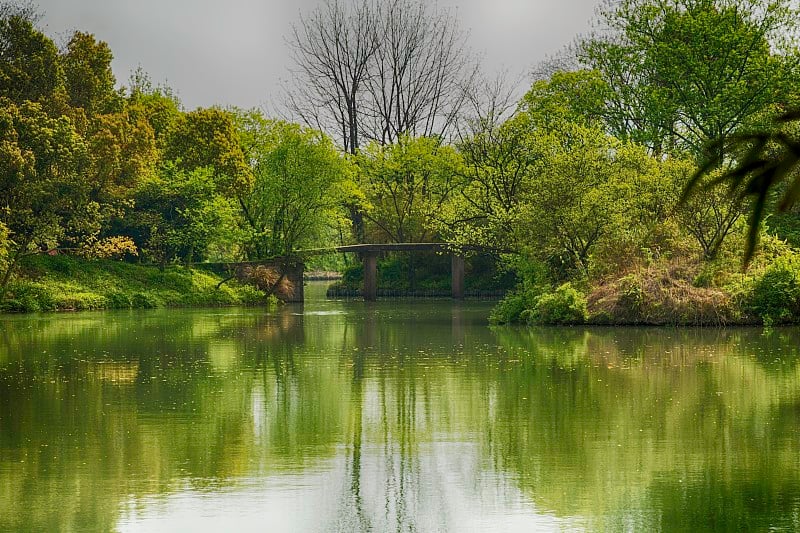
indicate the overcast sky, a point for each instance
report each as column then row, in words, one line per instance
column 234, row 51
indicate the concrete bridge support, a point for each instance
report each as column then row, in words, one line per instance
column 370, row 288
column 457, row 276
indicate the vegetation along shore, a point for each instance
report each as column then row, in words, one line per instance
column 583, row 178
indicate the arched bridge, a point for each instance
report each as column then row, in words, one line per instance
column 292, row 267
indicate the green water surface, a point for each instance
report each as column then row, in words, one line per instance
column 394, row 416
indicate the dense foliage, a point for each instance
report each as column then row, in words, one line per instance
column 576, row 187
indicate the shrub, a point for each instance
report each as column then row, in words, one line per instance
column 566, row 305
column 511, row 308
column 145, row 300
column 81, row 301
column 775, row 297
column 29, row 297
column 118, row 300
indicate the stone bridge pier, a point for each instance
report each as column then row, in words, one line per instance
column 370, row 287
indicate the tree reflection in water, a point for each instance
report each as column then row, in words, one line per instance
column 392, row 416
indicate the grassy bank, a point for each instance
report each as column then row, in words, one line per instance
column 64, row 283
column 676, row 292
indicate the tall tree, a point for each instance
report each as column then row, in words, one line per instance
column 419, row 75
column 379, row 70
column 683, row 73
column 208, row 138
column 29, row 63
column 43, row 192
column 332, row 50
column 408, row 185
column 87, row 72
column 301, row 183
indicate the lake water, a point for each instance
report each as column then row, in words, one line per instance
column 392, row 416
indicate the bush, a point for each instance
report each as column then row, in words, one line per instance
column 775, row 297
column 511, row 308
column 145, row 300
column 28, row 297
column 566, row 305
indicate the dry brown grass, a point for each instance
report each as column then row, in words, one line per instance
column 660, row 294
column 270, row 281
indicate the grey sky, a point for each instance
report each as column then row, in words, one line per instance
column 234, row 51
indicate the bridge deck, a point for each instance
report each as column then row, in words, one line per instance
column 399, row 247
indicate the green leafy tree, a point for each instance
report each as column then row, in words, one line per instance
column 178, row 214
column 686, row 72
column 159, row 105
column 29, row 62
column 408, row 185
column 301, row 183
column 122, row 151
column 87, row 72
column 207, row 138
column 579, row 196
column 503, row 160
column 43, row 192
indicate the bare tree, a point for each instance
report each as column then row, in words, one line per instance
column 418, row 74
column 379, row 69
column 332, row 50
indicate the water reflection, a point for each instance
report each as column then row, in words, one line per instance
column 406, row 416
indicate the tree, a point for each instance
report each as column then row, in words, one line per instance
column 332, row 50
column 178, row 214
column 122, row 151
column 767, row 171
column 208, row 138
column 501, row 160
column 158, row 105
column 4, row 244
column 87, row 72
column 29, row 63
column 578, row 196
column 43, row 193
column 419, row 74
column 379, row 71
column 683, row 73
column 301, row 183
column 408, row 185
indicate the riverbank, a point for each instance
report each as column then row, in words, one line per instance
column 667, row 293
column 66, row 283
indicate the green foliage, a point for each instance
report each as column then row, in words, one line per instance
column 158, row 106
column 683, row 73
column 207, row 138
column 578, row 97
column 30, row 69
column 68, row 283
column 511, row 308
column 767, row 166
column 87, row 73
column 301, row 183
column 407, row 186
column 42, row 188
column 178, row 214
column 775, row 296
column 4, row 245
column 564, row 306
column 516, row 305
